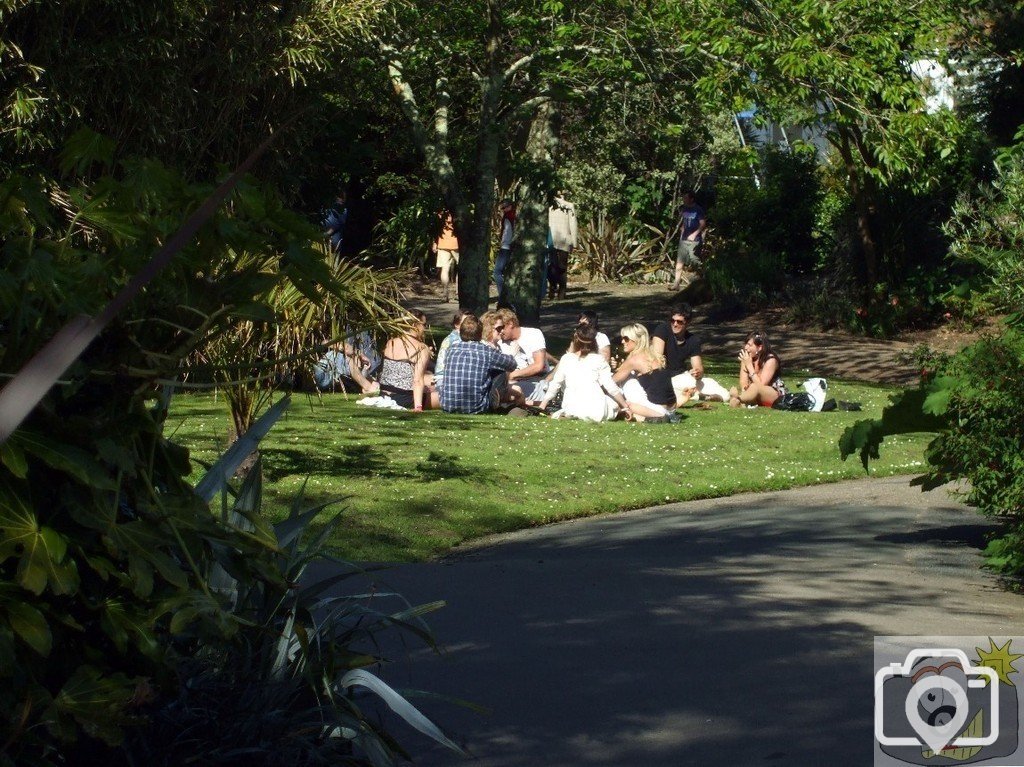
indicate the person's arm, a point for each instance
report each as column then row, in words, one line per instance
column 573, row 229
column 554, row 387
column 535, row 368
column 624, row 370
column 418, row 375
column 499, row 361
column 606, row 352
column 611, row 388
column 702, row 224
column 658, row 345
column 748, row 374
column 767, row 372
column 696, row 367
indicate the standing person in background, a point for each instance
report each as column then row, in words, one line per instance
column 508, row 231
column 693, row 221
column 446, row 249
column 335, row 220
column 564, row 237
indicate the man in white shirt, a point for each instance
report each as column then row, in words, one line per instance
column 528, row 347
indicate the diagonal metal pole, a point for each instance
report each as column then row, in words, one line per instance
column 23, row 392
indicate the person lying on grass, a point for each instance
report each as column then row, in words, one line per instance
column 760, row 373
column 646, row 382
column 590, row 392
column 403, row 374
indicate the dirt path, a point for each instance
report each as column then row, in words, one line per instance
column 830, row 354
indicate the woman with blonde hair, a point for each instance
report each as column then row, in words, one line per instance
column 645, row 381
column 492, row 327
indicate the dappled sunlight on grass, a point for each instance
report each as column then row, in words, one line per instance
column 417, row 485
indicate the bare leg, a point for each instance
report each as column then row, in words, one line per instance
column 647, row 412
column 445, row 280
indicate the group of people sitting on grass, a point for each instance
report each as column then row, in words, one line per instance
column 493, row 364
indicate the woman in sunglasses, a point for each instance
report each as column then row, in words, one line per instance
column 760, row 374
column 492, row 327
column 646, row 382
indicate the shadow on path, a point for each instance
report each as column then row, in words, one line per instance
column 735, row 631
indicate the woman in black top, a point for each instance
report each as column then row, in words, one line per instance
column 645, row 381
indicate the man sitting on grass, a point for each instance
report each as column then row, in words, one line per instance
column 475, row 373
column 529, row 348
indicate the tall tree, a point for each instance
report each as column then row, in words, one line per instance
column 842, row 67
column 495, row 68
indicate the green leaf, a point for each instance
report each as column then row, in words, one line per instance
column 939, row 393
column 98, row 703
column 143, row 543
column 41, row 550
column 83, row 148
column 13, row 458
column 67, row 458
column 30, row 626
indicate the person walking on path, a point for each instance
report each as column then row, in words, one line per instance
column 508, row 231
column 693, row 221
column 564, row 237
column 446, row 251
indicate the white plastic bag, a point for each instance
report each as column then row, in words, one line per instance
column 818, row 389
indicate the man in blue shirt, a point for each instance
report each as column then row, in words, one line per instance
column 335, row 220
column 693, row 221
column 475, row 373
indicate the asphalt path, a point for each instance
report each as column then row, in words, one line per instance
column 735, row 631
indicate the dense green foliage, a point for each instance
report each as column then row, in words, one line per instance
column 112, row 566
column 974, row 397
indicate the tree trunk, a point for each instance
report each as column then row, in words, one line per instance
column 862, row 192
column 523, row 280
column 475, row 262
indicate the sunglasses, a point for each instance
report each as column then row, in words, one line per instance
column 624, row 339
column 678, row 322
column 498, row 328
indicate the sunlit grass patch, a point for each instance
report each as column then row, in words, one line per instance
column 419, row 484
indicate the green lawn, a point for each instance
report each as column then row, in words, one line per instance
column 418, row 485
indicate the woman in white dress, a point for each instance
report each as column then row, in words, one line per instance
column 590, row 393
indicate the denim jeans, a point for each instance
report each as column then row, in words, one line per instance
column 500, row 262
